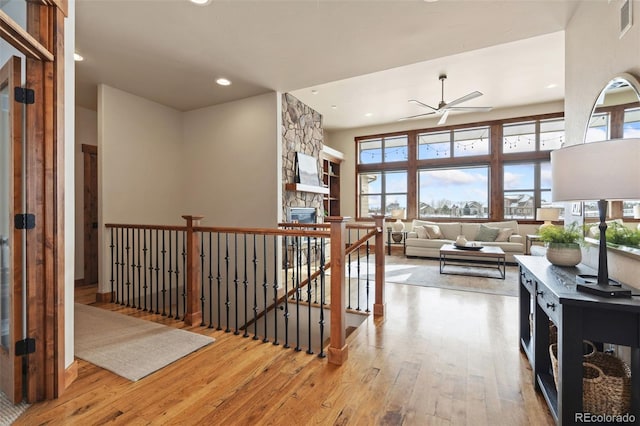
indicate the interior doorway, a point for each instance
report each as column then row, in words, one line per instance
column 90, row 214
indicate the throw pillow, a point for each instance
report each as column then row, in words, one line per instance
column 487, row 233
column 433, row 231
column 504, row 234
column 422, row 233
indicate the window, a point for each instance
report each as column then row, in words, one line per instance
column 377, row 189
column 526, row 187
column 454, row 192
column 520, row 137
column 451, row 171
column 631, row 126
column 469, row 142
column 598, row 129
column 434, row 145
column 383, row 150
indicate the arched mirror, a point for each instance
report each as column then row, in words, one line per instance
column 615, row 115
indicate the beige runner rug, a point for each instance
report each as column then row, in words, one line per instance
column 9, row 412
column 130, row 347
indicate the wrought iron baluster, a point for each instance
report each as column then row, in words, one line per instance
column 137, row 250
column 264, row 286
column 122, row 283
column 210, row 281
column 275, row 295
column 164, row 272
column 157, row 269
column 128, row 271
column 227, row 301
column 202, row 295
column 349, row 271
column 322, row 298
column 255, row 289
column 184, row 278
column 219, row 279
column 170, row 292
column 298, row 293
column 235, row 279
column 368, row 278
column 309, row 350
column 245, row 282
column 144, row 250
column 358, row 272
column 112, row 262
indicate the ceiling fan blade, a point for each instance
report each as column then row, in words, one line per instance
column 443, row 119
column 415, row 116
column 413, row 101
column 465, row 98
column 479, row 109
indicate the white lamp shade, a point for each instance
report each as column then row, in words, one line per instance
column 607, row 170
column 548, row 213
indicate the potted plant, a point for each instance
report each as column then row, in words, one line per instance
column 563, row 244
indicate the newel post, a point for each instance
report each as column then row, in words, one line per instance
column 338, row 351
column 193, row 316
column 380, row 303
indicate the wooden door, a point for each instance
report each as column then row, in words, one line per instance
column 90, row 214
column 11, row 238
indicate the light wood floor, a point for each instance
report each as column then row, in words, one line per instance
column 439, row 357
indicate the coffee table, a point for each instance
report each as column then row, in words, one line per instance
column 492, row 258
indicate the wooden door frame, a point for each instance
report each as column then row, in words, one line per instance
column 42, row 42
column 88, row 151
column 12, row 77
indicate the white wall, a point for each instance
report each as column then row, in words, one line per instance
column 232, row 164
column 140, row 158
column 343, row 141
column 595, row 54
column 86, row 132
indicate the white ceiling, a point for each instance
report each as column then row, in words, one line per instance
column 171, row 51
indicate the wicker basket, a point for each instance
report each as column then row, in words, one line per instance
column 606, row 384
column 553, row 330
column 588, row 351
column 610, row 392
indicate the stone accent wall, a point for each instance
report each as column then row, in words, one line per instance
column 301, row 132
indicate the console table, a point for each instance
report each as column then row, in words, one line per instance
column 549, row 292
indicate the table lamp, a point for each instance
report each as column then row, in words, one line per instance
column 548, row 214
column 598, row 171
column 398, row 215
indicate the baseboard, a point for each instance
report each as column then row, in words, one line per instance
column 104, row 297
column 79, row 282
column 70, row 374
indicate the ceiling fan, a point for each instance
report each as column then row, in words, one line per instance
column 444, row 107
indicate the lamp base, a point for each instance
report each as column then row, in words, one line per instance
column 612, row 289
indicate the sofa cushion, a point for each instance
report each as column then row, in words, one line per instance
column 504, row 234
column 421, row 232
column 450, row 230
column 433, row 231
column 470, row 230
column 487, row 233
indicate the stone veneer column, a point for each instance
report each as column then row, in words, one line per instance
column 301, row 132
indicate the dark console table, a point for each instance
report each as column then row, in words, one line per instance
column 549, row 292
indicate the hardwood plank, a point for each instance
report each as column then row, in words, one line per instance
column 438, row 357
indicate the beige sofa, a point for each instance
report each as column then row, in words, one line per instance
column 423, row 246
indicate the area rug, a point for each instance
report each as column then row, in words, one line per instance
column 426, row 273
column 9, row 412
column 130, row 347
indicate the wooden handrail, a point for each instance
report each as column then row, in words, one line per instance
column 229, row 230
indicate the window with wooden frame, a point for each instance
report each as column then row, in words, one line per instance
column 458, row 171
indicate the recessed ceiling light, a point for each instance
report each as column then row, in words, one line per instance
column 77, row 57
column 369, row 114
column 200, row 2
column 223, row 82
column 552, row 86
column 430, row 1
column 334, row 106
column 314, row 92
